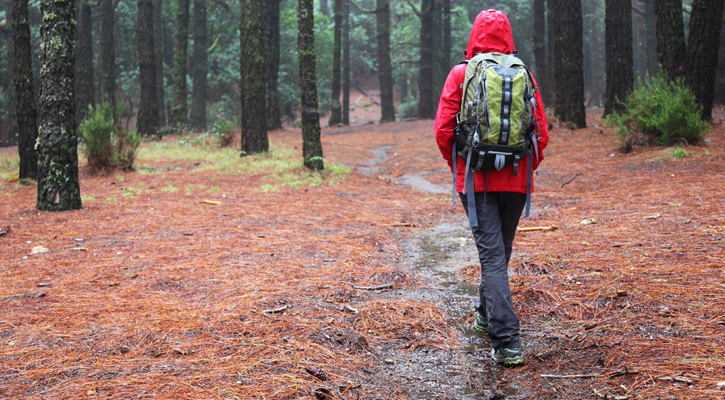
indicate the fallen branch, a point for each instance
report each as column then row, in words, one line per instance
column 276, row 310
column 606, row 396
column 405, row 224
column 569, row 376
column 676, row 379
column 381, row 287
column 212, row 202
column 537, row 228
column 570, row 180
column 361, row 90
column 351, row 309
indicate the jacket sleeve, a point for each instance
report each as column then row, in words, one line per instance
column 448, row 106
column 543, row 125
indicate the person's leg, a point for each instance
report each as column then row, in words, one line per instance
column 510, row 207
column 494, row 292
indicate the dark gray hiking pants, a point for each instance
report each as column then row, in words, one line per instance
column 494, row 236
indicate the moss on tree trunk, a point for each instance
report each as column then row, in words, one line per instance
column 311, row 145
column 670, row 36
column 85, row 87
column 57, row 143
column 148, row 113
column 179, row 107
column 274, row 120
column 254, row 84
column 335, row 106
column 26, row 112
column 199, row 68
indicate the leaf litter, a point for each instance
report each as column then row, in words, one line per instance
column 244, row 293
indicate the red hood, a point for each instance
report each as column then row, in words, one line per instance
column 491, row 33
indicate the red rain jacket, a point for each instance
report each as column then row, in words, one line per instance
column 491, row 32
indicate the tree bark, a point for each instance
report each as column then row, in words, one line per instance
column 702, row 52
column 254, row 84
column 148, row 113
column 159, row 61
column 346, row 62
column 651, row 39
column 549, row 96
column 335, row 107
column 274, row 118
column 324, row 8
column 108, row 53
column 311, row 144
column 179, row 106
column 538, row 41
column 720, row 80
column 446, row 56
column 385, row 69
column 85, row 88
column 199, row 68
column 26, row 112
column 619, row 65
column 569, row 74
column 439, row 73
column 671, row 48
column 426, row 109
column 58, row 187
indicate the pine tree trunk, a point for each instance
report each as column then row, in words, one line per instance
column 385, row 69
column 108, row 53
column 620, row 75
column 671, row 48
column 159, row 61
column 311, row 144
column 446, row 57
column 148, row 113
column 85, row 88
column 651, row 39
column 335, row 107
column 58, row 187
column 199, row 68
column 549, row 96
column 254, row 84
column 26, row 113
column 439, row 74
column 702, row 52
column 274, row 118
column 720, row 80
column 179, row 106
column 538, row 44
column 426, row 110
column 346, row 62
column 324, row 8
column 569, row 62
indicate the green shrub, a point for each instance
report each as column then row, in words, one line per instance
column 97, row 132
column 106, row 146
column 223, row 131
column 661, row 109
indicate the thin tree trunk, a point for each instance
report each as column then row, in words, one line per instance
column 26, row 112
column 199, row 68
column 671, row 48
column 538, row 41
column 346, row 62
column 385, row 69
column 108, row 53
column 620, row 75
column 426, row 109
column 254, row 84
column 148, row 113
column 439, row 73
column 159, row 60
column 569, row 66
column 274, row 118
column 85, row 88
column 179, row 106
column 324, row 8
column 58, row 187
column 446, row 56
column 651, row 38
column 549, row 96
column 720, row 80
column 702, row 52
column 311, row 144
column 335, row 107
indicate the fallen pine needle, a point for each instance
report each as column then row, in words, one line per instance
column 537, row 228
column 569, row 376
column 381, row 287
column 212, row 202
column 276, row 310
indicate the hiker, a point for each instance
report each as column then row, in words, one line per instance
column 501, row 192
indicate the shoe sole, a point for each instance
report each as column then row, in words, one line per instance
column 479, row 329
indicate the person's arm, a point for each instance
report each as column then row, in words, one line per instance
column 448, row 106
column 543, row 124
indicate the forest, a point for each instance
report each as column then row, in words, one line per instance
column 245, row 200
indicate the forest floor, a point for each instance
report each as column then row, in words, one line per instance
column 203, row 275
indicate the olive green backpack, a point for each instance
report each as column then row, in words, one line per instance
column 497, row 122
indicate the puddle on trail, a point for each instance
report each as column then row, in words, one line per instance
column 467, row 372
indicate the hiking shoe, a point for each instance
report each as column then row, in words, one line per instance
column 508, row 356
column 480, row 324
